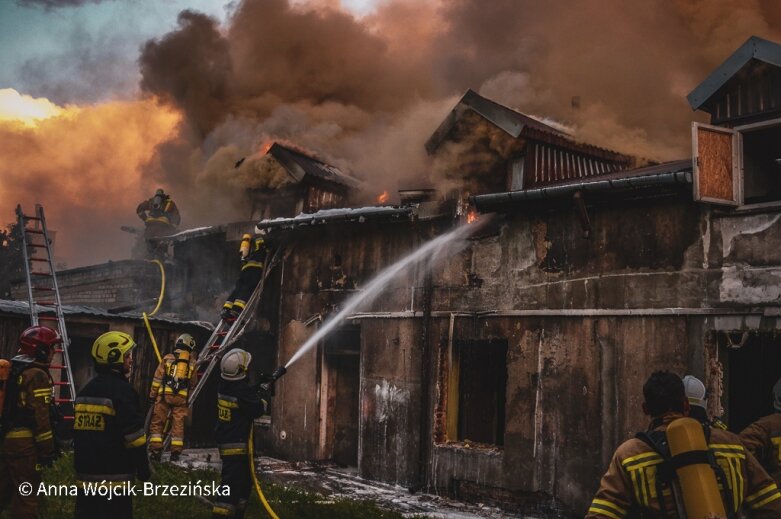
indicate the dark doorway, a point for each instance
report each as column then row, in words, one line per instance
column 342, row 365
column 751, row 371
column 761, row 165
column 481, row 390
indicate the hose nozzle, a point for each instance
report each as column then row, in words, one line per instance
column 277, row 374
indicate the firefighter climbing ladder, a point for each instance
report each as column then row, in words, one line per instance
column 226, row 333
column 42, row 281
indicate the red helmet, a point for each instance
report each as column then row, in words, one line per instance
column 38, row 341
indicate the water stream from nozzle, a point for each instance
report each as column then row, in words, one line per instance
column 431, row 251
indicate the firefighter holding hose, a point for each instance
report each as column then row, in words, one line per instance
column 675, row 468
column 238, row 404
column 174, row 378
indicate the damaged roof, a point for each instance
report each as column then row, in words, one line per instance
column 8, row 306
column 324, row 216
column 512, row 122
column 755, row 48
column 299, row 165
column 658, row 175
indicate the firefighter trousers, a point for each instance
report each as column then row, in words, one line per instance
column 18, row 460
column 99, row 507
column 236, row 474
column 245, row 285
column 177, row 407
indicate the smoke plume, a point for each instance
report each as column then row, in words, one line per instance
column 366, row 93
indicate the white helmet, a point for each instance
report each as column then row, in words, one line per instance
column 233, row 365
column 695, row 391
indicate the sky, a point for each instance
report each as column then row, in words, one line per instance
column 103, row 101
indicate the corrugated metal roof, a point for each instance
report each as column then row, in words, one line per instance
column 512, row 122
column 360, row 215
column 666, row 174
column 754, row 48
column 23, row 308
column 299, row 164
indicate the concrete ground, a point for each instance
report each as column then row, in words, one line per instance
column 335, row 482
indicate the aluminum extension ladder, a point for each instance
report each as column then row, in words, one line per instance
column 226, row 333
column 43, row 295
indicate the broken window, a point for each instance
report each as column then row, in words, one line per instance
column 479, row 373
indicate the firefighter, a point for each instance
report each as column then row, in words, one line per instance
column 763, row 437
column 108, row 431
column 253, row 254
column 698, row 402
column 638, row 473
column 28, row 439
column 238, row 404
column 161, row 218
column 174, row 379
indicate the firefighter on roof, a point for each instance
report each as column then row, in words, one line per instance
column 108, row 431
column 763, row 437
column 27, row 437
column 174, row 378
column 253, row 254
column 238, row 404
column 161, row 218
column 643, row 478
column 159, row 214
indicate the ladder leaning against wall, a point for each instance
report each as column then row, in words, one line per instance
column 43, row 295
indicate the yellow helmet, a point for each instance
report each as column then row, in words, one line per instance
column 185, row 341
column 110, row 348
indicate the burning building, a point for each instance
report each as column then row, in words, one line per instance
column 510, row 373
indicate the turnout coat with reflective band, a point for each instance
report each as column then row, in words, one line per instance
column 629, row 485
column 238, row 404
column 162, row 382
column 108, row 430
column 167, row 213
column 30, row 415
column 763, row 439
column 257, row 254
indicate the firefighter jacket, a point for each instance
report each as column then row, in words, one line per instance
column 165, row 212
column 108, row 430
column 629, row 488
column 763, row 439
column 165, row 383
column 30, row 415
column 257, row 254
column 238, row 404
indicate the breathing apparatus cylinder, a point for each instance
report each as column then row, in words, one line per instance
column 182, row 365
column 246, row 243
column 5, row 373
column 701, row 496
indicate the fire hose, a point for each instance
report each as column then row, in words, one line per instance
column 262, row 497
column 153, row 312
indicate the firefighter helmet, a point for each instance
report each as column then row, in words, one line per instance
column 185, row 342
column 38, row 341
column 695, row 391
column 159, row 192
column 233, row 365
column 111, row 348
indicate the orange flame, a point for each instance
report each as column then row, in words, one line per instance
column 266, row 147
column 383, row 197
column 471, row 216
